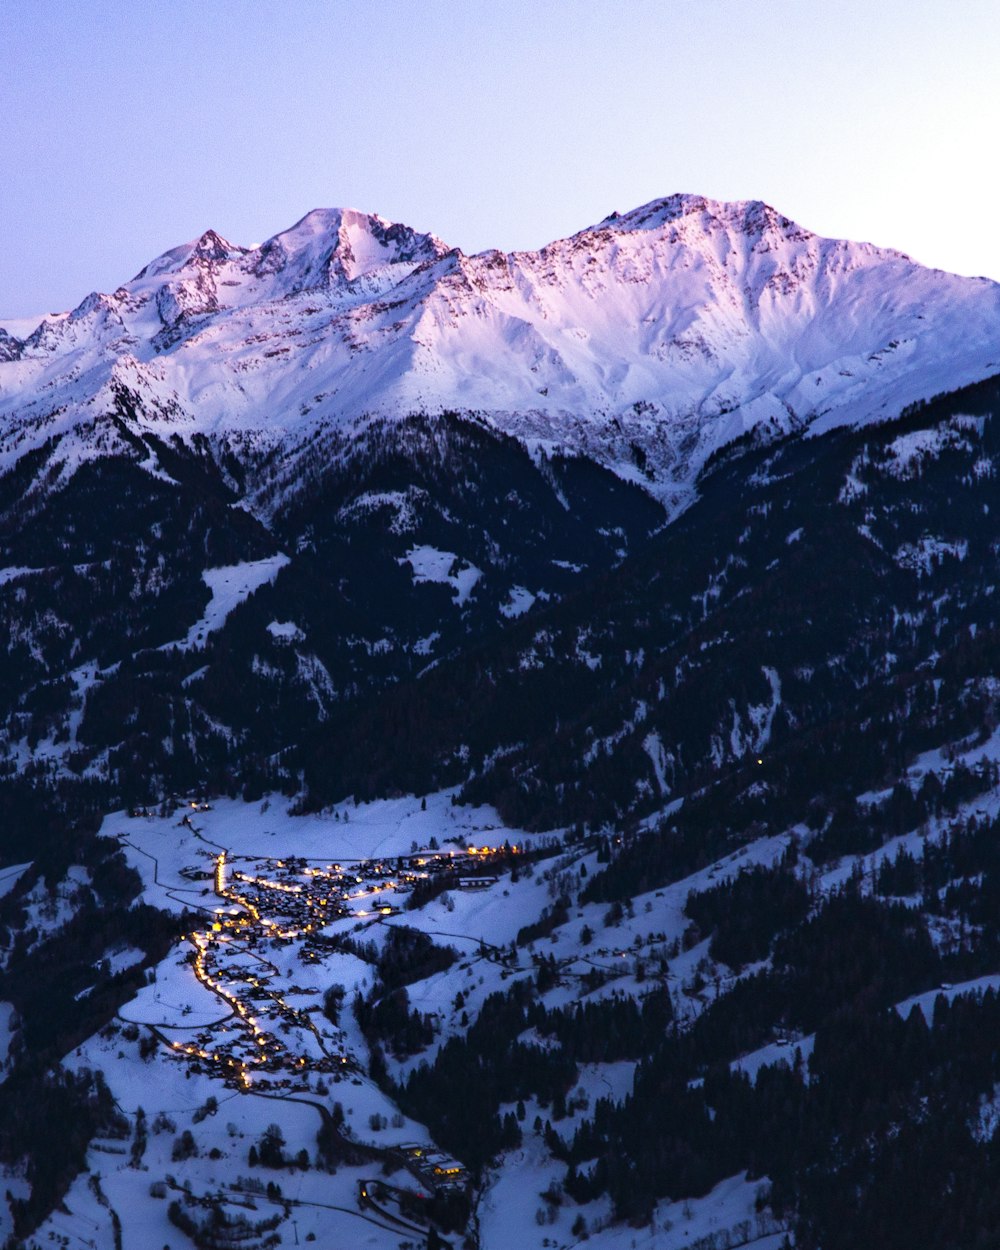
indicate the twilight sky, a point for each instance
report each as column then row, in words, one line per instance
column 128, row 128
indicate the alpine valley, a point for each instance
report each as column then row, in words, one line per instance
column 503, row 751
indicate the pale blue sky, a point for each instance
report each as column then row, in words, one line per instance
column 127, row 127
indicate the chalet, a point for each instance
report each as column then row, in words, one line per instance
column 432, row 1167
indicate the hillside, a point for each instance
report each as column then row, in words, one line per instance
column 450, row 815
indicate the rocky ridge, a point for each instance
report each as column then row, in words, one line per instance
column 645, row 342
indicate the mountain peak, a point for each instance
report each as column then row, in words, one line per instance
column 209, row 248
column 751, row 217
column 213, row 247
column 754, row 220
column 347, row 243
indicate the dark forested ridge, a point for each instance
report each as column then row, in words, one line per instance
column 797, row 603
column 104, row 580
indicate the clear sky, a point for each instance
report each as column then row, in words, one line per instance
column 126, row 128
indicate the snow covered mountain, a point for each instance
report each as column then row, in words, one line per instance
column 645, row 342
column 531, row 848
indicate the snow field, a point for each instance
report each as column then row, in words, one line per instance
column 230, row 586
column 163, row 1085
column 926, row 1001
column 431, row 565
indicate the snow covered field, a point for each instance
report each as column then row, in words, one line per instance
column 230, row 586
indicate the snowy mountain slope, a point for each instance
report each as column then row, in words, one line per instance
column 645, row 342
column 757, row 753
column 750, row 761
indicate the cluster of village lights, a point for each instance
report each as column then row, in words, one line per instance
column 202, row 941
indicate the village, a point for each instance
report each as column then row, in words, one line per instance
column 260, row 953
column 274, row 1035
